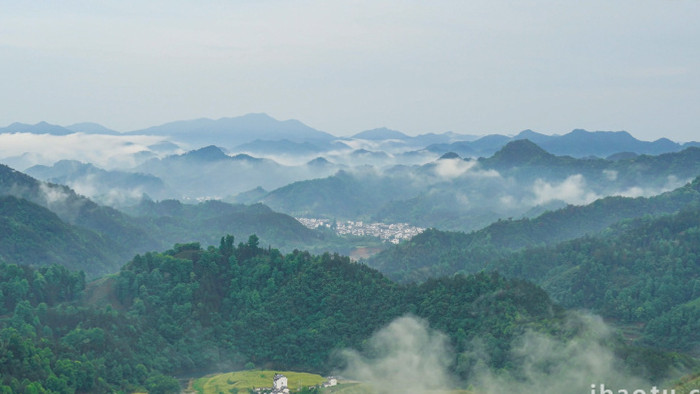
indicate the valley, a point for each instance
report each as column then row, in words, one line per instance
column 350, row 197
column 381, row 258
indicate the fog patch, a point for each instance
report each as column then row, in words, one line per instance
column 611, row 175
column 53, row 195
column 634, row 191
column 455, row 168
column 462, row 199
column 572, row 191
column 92, row 188
column 508, row 201
column 405, row 356
column 548, row 365
column 409, row 356
column 672, row 183
column 108, row 151
column 86, row 186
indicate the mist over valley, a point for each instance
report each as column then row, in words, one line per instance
column 590, row 231
column 350, row 197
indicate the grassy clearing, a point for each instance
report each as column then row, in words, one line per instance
column 244, row 380
column 359, row 388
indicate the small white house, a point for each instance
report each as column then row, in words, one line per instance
column 279, row 384
column 330, row 382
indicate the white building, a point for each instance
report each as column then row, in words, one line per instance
column 330, row 382
column 279, row 384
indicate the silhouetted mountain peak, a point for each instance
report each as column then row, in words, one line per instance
column 319, row 162
column 90, row 128
column 244, row 157
column 521, row 152
column 208, row 153
column 449, row 155
column 526, row 134
column 39, row 128
column 381, row 133
column 238, row 130
column 533, row 136
column 617, row 135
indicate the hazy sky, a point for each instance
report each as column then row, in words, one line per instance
column 469, row 66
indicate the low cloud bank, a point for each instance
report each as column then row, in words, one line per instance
column 24, row 150
column 405, row 356
column 409, row 356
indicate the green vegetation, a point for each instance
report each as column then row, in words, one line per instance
column 640, row 271
column 688, row 383
column 43, row 224
column 192, row 309
column 435, row 253
column 33, row 235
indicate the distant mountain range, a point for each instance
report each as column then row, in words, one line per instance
column 260, row 133
column 230, row 132
column 454, row 193
column 578, row 143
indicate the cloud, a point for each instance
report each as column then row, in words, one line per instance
column 547, row 365
column 572, row 190
column 107, row 151
column 408, row 356
column 53, row 195
column 611, row 175
column 672, row 183
column 454, row 168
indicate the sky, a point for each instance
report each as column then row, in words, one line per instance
column 473, row 67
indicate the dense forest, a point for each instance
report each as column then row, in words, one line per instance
column 32, row 235
column 192, row 309
column 641, row 271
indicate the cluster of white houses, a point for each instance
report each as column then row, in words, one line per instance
column 394, row 233
column 279, row 385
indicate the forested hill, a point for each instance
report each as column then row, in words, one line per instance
column 644, row 272
column 79, row 211
column 206, row 221
column 203, row 309
column 435, row 253
column 44, row 223
column 32, row 235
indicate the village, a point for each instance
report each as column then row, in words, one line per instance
column 393, row 233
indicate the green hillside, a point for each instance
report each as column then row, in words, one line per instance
column 80, row 211
column 43, row 223
column 193, row 309
column 642, row 271
column 33, row 235
column 434, row 253
column 205, row 222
